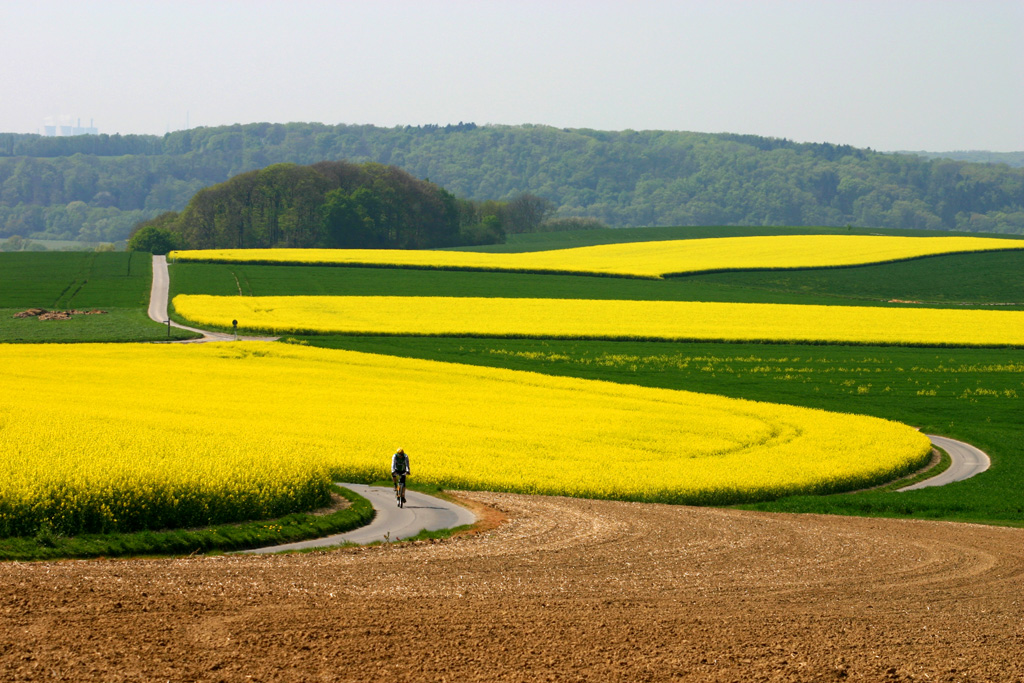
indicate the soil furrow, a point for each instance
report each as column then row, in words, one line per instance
column 564, row 589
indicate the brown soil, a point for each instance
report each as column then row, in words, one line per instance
column 30, row 313
column 43, row 314
column 562, row 590
column 337, row 503
column 55, row 315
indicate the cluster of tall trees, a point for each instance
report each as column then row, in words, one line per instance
column 624, row 178
column 335, row 204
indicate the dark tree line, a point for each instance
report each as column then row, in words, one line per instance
column 335, row 204
column 99, row 186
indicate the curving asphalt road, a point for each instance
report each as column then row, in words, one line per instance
column 391, row 523
column 967, row 462
column 158, row 307
column 425, row 512
column 421, row 512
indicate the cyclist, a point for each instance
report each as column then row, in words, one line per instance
column 399, row 471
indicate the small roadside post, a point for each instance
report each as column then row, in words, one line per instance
column 168, row 328
column 234, row 324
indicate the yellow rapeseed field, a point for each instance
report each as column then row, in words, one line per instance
column 607, row 319
column 110, row 437
column 640, row 259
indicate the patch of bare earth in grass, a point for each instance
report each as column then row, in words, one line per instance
column 561, row 589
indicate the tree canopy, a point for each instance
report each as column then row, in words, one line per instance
column 336, row 204
column 153, row 238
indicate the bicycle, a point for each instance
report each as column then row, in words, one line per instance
column 399, row 480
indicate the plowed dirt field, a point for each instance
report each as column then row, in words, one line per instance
column 563, row 590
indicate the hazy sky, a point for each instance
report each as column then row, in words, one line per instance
column 894, row 74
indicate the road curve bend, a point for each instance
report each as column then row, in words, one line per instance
column 426, row 513
column 390, row 523
column 421, row 512
column 967, row 462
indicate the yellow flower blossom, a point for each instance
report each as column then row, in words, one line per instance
column 639, row 259
column 606, row 319
column 110, row 437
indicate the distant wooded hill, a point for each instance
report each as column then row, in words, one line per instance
column 97, row 187
column 336, row 204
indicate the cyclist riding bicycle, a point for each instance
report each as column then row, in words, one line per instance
column 399, row 471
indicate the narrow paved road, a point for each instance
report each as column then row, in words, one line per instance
column 421, row 513
column 967, row 462
column 158, row 307
column 391, row 523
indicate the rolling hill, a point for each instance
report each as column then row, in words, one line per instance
column 98, row 187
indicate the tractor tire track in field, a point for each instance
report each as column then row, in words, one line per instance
column 565, row 589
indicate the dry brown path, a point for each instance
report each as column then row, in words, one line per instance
column 568, row 590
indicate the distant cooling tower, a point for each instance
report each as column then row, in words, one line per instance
column 62, row 126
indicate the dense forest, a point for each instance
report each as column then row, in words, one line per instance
column 1015, row 159
column 98, row 187
column 336, row 204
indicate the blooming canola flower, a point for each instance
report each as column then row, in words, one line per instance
column 654, row 259
column 607, row 319
column 92, row 439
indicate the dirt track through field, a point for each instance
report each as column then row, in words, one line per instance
column 563, row 590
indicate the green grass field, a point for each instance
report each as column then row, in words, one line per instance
column 118, row 283
column 117, row 325
column 975, row 280
column 259, row 280
column 583, row 238
column 74, row 279
column 960, row 280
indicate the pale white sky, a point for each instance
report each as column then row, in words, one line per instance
column 932, row 75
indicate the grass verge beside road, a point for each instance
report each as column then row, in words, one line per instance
column 978, row 280
column 222, row 538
